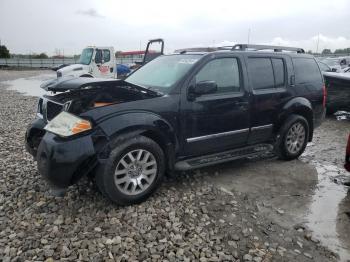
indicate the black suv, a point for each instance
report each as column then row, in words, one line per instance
column 178, row 112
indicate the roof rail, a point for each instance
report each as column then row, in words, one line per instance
column 244, row 47
column 196, row 49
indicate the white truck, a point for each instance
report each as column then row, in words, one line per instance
column 93, row 62
column 100, row 62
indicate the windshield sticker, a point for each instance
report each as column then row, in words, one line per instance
column 188, row 61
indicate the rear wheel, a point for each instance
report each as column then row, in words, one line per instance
column 292, row 138
column 133, row 171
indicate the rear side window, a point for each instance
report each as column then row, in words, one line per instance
column 261, row 73
column 306, row 71
column 278, row 69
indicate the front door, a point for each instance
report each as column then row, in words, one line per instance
column 103, row 66
column 220, row 120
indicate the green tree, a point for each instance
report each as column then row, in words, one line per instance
column 326, row 51
column 4, row 52
column 341, row 51
column 41, row 56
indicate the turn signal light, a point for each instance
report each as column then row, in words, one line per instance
column 81, row 126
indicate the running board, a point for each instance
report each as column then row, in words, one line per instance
column 222, row 157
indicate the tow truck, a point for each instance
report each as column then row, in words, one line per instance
column 100, row 62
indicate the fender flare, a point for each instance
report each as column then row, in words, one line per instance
column 300, row 106
column 120, row 127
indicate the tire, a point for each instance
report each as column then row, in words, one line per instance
column 292, row 138
column 134, row 170
column 99, row 180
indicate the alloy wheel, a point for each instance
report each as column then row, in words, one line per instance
column 135, row 172
column 295, row 138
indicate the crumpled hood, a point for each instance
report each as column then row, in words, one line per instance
column 63, row 84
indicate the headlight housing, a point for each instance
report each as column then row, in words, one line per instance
column 66, row 124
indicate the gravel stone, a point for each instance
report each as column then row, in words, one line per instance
column 247, row 257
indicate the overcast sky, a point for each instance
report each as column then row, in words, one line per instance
column 70, row 25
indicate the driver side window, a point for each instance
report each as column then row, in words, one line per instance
column 224, row 71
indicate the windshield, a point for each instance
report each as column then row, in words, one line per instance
column 163, row 72
column 85, row 57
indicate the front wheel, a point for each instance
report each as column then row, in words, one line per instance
column 292, row 138
column 133, row 171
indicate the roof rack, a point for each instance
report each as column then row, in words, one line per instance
column 244, row 47
column 241, row 47
column 196, row 49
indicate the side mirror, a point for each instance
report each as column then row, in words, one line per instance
column 205, row 87
column 334, row 69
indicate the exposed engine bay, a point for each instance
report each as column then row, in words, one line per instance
column 92, row 95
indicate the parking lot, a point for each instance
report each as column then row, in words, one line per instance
column 258, row 209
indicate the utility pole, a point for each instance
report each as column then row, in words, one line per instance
column 248, row 36
column 318, row 41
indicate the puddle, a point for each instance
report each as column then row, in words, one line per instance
column 29, row 86
column 328, row 218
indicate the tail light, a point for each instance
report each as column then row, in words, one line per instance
column 324, row 96
column 347, row 156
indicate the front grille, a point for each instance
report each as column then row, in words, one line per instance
column 52, row 109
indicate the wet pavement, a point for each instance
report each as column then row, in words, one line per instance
column 30, row 85
column 306, row 195
column 327, row 216
column 295, row 195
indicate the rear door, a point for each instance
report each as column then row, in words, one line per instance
column 218, row 121
column 268, row 82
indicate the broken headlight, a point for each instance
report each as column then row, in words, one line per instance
column 66, row 124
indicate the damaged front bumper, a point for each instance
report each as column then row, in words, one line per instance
column 61, row 161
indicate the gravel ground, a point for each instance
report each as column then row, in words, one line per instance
column 188, row 219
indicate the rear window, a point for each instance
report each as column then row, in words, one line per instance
column 306, row 71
